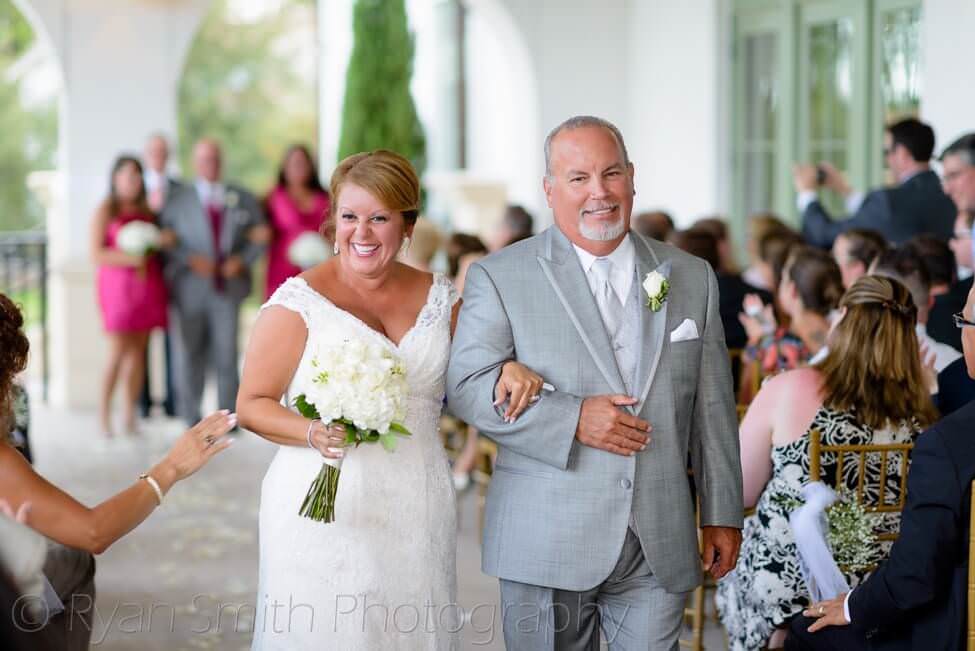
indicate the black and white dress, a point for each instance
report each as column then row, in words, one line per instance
column 766, row 588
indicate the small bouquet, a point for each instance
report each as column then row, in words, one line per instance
column 362, row 386
column 307, row 250
column 138, row 238
column 852, row 534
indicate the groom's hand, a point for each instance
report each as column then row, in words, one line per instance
column 719, row 549
column 603, row 425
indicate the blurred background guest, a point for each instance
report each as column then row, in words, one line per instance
column 209, row 274
column 423, row 246
column 854, row 251
column 759, row 226
column 809, row 290
column 463, row 250
column 517, row 224
column 160, row 186
column 731, row 288
column 947, row 292
column 904, row 265
column 131, row 291
column 297, row 204
column 719, row 230
column 869, row 389
column 773, row 250
column 917, row 204
column 655, row 224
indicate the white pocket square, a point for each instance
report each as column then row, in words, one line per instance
column 686, row 331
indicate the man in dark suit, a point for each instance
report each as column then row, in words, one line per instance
column 916, row 599
column 160, row 187
column 916, row 205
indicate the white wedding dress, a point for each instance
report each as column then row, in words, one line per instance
column 383, row 575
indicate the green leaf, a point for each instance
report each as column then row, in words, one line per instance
column 305, row 408
column 388, row 442
column 399, row 429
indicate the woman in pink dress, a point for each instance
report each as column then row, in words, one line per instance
column 298, row 204
column 131, row 291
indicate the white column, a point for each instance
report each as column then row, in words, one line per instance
column 121, row 61
column 947, row 95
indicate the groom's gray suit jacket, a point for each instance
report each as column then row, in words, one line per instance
column 557, row 510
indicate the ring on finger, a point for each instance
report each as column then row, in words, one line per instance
column 822, row 610
column 209, row 440
column 534, row 398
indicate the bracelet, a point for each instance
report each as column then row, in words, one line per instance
column 308, row 434
column 155, row 486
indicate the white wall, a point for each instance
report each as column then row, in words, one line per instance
column 948, row 94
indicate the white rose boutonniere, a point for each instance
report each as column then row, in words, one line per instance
column 656, row 287
column 232, row 199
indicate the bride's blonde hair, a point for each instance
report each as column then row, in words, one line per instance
column 384, row 174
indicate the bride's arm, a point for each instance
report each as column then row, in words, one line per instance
column 270, row 361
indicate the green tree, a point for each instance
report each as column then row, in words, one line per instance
column 378, row 111
column 242, row 87
column 29, row 133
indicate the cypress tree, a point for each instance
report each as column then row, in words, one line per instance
column 378, row 111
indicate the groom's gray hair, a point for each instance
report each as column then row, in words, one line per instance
column 578, row 122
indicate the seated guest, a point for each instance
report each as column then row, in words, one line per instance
column 773, row 251
column 760, row 225
column 462, row 250
column 869, row 389
column 855, row 250
column 948, row 295
column 719, row 229
column 958, row 170
column 917, row 205
column 916, row 599
column 78, row 530
column 731, row 288
column 904, row 265
column 655, row 224
column 809, row 290
column 516, row 225
column 424, row 245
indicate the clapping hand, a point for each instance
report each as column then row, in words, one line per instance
column 758, row 319
column 928, row 369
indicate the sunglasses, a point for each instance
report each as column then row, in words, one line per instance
column 962, row 322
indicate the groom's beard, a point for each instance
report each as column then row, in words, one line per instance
column 602, row 232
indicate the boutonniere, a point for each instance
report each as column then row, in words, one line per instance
column 656, row 287
column 231, row 199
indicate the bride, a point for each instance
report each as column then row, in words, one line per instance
column 382, row 575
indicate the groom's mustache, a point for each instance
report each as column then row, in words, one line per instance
column 610, row 207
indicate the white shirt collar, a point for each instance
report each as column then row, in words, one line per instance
column 154, row 179
column 209, row 192
column 623, row 258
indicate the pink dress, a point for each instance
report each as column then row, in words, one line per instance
column 287, row 222
column 131, row 300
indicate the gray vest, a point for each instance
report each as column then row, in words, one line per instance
column 626, row 343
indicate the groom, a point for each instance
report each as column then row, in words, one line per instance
column 590, row 521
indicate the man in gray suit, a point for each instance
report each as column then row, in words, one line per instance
column 209, row 276
column 590, row 521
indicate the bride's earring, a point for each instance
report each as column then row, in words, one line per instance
column 405, row 246
column 335, row 249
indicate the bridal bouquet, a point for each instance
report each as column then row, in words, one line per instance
column 138, row 238
column 307, row 250
column 362, row 386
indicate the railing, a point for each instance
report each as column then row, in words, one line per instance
column 23, row 277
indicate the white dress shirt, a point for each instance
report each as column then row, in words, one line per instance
column 943, row 353
column 209, row 193
column 624, row 265
column 155, row 180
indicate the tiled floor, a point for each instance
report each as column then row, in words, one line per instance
column 162, row 587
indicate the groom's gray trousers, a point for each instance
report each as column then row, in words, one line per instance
column 630, row 607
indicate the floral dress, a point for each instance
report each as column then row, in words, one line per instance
column 767, row 588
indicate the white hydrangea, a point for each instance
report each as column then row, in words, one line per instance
column 138, row 238
column 307, row 250
column 357, row 381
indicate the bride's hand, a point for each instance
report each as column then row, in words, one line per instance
column 520, row 386
column 329, row 440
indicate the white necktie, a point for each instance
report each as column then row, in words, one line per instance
column 610, row 306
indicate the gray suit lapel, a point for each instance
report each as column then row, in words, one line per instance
column 653, row 325
column 561, row 267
